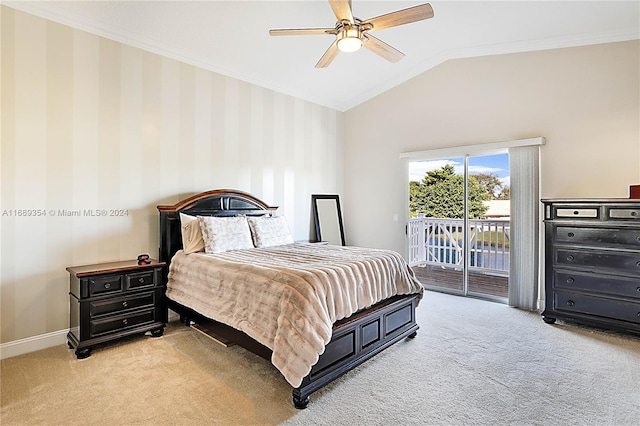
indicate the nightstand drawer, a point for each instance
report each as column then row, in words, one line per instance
column 608, row 308
column 120, row 304
column 140, row 279
column 604, row 236
column 620, row 262
column 104, row 285
column 112, row 324
column 605, row 284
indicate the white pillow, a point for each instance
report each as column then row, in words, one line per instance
column 222, row 234
column 192, row 241
column 270, row 231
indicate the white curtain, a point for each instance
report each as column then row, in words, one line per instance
column 524, row 236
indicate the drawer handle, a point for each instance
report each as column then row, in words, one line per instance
column 570, row 259
column 576, row 212
column 125, row 304
column 570, row 280
column 107, row 285
column 570, row 302
column 125, row 321
column 571, row 235
column 638, row 289
column 638, row 263
column 141, row 280
column 634, row 213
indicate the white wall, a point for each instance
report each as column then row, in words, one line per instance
column 88, row 123
column 583, row 100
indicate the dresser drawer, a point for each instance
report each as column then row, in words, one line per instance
column 601, row 236
column 121, row 304
column 140, row 279
column 605, row 284
column 120, row 322
column 623, row 213
column 608, row 308
column 577, row 212
column 620, row 262
column 104, row 285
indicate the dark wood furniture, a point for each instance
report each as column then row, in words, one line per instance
column 592, row 262
column 112, row 300
column 354, row 339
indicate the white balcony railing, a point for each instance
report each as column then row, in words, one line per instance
column 440, row 242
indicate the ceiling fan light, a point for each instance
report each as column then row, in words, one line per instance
column 349, row 40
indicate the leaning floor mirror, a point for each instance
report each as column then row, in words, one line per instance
column 328, row 219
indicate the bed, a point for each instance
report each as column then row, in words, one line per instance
column 315, row 311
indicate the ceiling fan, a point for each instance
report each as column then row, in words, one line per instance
column 352, row 33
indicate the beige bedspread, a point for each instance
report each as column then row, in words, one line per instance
column 288, row 297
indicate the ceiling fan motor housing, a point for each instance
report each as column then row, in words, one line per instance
column 349, row 37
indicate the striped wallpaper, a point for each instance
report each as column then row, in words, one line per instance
column 91, row 125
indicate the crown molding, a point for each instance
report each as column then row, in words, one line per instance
column 45, row 10
column 491, row 50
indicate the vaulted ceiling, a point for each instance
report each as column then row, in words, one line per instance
column 231, row 37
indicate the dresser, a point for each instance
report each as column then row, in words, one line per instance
column 592, row 262
column 112, row 300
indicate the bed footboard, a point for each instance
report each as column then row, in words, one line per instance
column 355, row 339
column 358, row 338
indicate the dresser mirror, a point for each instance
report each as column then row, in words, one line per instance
column 327, row 218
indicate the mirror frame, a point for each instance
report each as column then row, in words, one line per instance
column 316, row 217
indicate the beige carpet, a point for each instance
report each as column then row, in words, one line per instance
column 473, row 363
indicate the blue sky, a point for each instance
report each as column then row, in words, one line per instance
column 497, row 164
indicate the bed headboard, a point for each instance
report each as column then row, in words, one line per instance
column 218, row 202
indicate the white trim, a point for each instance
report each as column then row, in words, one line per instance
column 148, row 44
column 489, row 50
column 32, row 344
column 485, row 148
column 43, row 341
column 92, row 26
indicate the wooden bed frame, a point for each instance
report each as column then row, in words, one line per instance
column 354, row 339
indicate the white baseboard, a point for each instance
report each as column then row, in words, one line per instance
column 32, row 344
column 43, row 341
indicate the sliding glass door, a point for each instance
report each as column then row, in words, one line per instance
column 489, row 226
column 436, row 225
column 459, row 224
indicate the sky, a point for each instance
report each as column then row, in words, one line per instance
column 497, row 164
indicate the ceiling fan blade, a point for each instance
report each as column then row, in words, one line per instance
column 401, row 17
column 342, row 9
column 328, row 56
column 302, row 31
column 381, row 48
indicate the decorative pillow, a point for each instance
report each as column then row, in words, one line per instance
column 225, row 233
column 270, row 231
column 192, row 241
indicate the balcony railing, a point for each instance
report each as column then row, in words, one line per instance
column 440, row 242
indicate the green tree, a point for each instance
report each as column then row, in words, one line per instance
column 505, row 194
column 441, row 194
column 491, row 183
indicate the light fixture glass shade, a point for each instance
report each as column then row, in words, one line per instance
column 349, row 40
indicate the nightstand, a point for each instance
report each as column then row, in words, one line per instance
column 112, row 300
